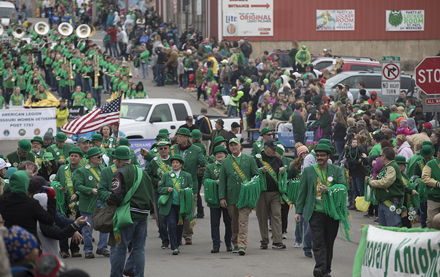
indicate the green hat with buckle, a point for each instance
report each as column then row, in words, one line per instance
column 97, row 137
column 121, row 153
column 400, row 160
column 47, row 156
column 184, row 132
column 93, row 152
column 322, row 147
column 265, row 131
column 24, row 145
column 76, row 150
column 61, row 136
column 178, row 157
column 124, row 141
column 220, row 148
column 196, row 134
column 37, row 139
column 163, row 142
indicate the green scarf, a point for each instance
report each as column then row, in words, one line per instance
column 186, row 206
column 335, row 206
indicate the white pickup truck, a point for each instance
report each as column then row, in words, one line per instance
column 143, row 118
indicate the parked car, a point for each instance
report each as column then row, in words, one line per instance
column 372, row 81
column 143, row 118
column 349, row 64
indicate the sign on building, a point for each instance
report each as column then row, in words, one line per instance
column 390, row 75
column 335, row 20
column 405, row 20
column 247, row 18
column 26, row 123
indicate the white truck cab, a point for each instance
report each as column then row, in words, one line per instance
column 7, row 13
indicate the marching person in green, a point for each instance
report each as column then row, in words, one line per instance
column 389, row 190
column 69, row 207
column 217, row 141
column 210, row 183
column 196, row 137
column 316, row 181
column 409, row 192
column 266, row 134
column 156, row 168
column 131, row 189
column 193, row 162
column 125, row 142
column 237, row 168
column 37, row 149
column 86, row 182
column 60, row 149
column 269, row 203
column 175, row 201
column 431, row 177
column 23, row 153
column 84, row 145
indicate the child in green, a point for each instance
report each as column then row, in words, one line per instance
column 78, row 96
column 89, row 102
column 17, row 99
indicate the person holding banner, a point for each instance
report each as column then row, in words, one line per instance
column 238, row 168
column 389, row 190
column 431, row 177
column 269, row 203
column 316, row 181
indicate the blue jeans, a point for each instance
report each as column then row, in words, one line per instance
column 135, row 234
column 144, row 67
column 216, row 214
column 357, row 186
column 163, row 228
column 303, row 234
column 174, row 231
column 387, row 217
column 340, row 147
column 160, row 68
column 87, row 232
column 299, row 137
column 226, row 88
column 423, row 213
column 114, row 49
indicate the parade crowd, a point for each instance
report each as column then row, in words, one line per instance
column 349, row 153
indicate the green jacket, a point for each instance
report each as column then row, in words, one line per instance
column 397, row 189
column 63, row 174
column 155, row 172
column 257, row 147
column 298, row 124
column 307, row 191
column 434, row 193
column 412, row 164
column 212, row 174
column 105, row 184
column 15, row 159
column 230, row 181
column 186, row 181
column 83, row 182
column 193, row 158
column 59, row 153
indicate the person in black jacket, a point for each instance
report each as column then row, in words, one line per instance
column 357, row 171
column 204, row 125
column 17, row 208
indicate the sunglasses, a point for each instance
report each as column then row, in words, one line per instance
column 162, row 148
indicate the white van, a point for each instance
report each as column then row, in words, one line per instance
column 7, row 13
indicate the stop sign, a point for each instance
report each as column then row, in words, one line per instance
column 428, row 75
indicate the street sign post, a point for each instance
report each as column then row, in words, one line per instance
column 390, row 75
column 428, row 75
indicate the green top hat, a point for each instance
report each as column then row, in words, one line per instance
column 265, row 131
column 76, row 150
column 93, row 152
column 400, row 159
column 163, row 142
column 37, row 139
column 121, row 153
column 124, row 141
column 178, row 157
column 196, row 134
column 61, row 136
column 97, row 137
column 322, row 147
column 47, row 157
column 220, row 148
column 25, row 145
column 184, row 132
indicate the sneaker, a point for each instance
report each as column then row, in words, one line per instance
column 103, row 252
column 64, row 255
column 164, row 245
column 215, row 250
column 278, row 246
column 89, row 255
column 228, row 248
column 76, row 255
column 176, row 251
column 263, row 246
column 241, row 251
column 188, row 241
column 235, row 250
column 297, row 245
column 284, row 236
column 308, row 254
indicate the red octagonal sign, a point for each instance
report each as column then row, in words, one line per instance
column 428, row 75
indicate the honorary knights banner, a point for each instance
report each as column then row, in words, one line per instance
column 397, row 252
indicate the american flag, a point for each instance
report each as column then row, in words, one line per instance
column 105, row 115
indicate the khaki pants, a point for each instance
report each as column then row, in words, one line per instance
column 187, row 228
column 206, row 143
column 269, row 204
column 433, row 209
column 239, row 225
column 272, row 124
